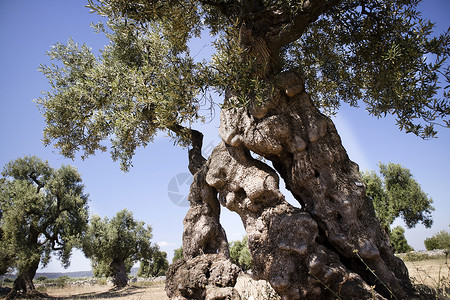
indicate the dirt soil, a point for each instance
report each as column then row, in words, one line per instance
column 153, row 292
column 429, row 272
column 434, row 272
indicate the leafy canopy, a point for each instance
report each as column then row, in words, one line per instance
column 398, row 240
column 156, row 265
column 440, row 240
column 378, row 54
column 240, row 254
column 42, row 211
column 120, row 239
column 177, row 254
column 397, row 194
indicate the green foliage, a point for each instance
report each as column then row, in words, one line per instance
column 41, row 278
column 397, row 194
column 374, row 52
column 43, row 211
column 121, row 239
column 103, row 268
column 177, row 254
column 398, row 240
column 414, row 256
column 138, row 86
column 157, row 265
column 378, row 54
column 102, row 281
column 440, row 240
column 240, row 254
column 62, row 281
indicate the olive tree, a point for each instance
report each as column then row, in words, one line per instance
column 154, row 266
column 279, row 67
column 440, row 240
column 397, row 194
column 114, row 245
column 43, row 211
column 398, row 240
column 240, row 254
column 177, row 254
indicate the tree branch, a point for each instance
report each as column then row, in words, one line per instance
column 224, row 7
column 196, row 159
column 35, row 180
column 306, row 15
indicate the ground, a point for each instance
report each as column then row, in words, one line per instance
column 152, row 292
column 434, row 273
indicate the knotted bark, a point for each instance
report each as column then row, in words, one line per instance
column 331, row 247
column 343, row 231
column 202, row 231
column 282, row 238
column 206, row 271
column 120, row 277
column 23, row 285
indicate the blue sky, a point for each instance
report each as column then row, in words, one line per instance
column 27, row 30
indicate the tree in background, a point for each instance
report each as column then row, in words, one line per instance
column 115, row 245
column 276, row 64
column 397, row 194
column 177, row 254
column 157, row 265
column 43, row 211
column 240, row 254
column 398, row 240
column 440, row 240
column 6, row 259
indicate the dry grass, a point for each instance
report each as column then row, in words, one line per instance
column 154, row 291
column 434, row 273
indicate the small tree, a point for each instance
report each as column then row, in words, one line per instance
column 398, row 240
column 114, row 244
column 240, row 254
column 397, row 194
column 43, row 211
column 157, row 265
column 177, row 254
column 440, row 240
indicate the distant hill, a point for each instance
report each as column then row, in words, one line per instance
column 70, row 274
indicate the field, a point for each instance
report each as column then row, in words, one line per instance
column 152, row 292
column 433, row 273
column 147, row 291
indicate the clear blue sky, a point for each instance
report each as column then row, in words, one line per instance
column 27, row 30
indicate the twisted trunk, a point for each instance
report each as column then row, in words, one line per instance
column 206, row 270
column 323, row 247
column 120, row 277
column 331, row 247
column 23, row 284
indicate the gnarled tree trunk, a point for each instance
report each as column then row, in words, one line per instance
column 331, row 247
column 206, row 271
column 343, row 236
column 120, row 278
column 23, row 284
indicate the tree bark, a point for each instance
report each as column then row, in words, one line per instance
column 23, row 284
column 342, row 233
column 120, row 277
column 206, row 269
column 202, row 232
